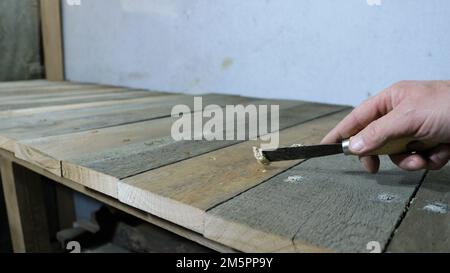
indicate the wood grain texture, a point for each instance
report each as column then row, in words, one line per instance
column 123, row 151
column 324, row 204
column 426, row 226
column 71, row 121
column 133, row 157
column 183, row 191
column 52, row 39
column 71, row 99
column 14, row 113
column 81, row 144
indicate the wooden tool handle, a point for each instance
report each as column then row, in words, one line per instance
column 397, row 146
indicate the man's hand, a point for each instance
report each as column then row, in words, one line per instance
column 417, row 109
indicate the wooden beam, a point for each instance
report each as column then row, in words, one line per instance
column 52, row 39
column 27, row 215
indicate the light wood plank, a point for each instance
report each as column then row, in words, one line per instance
column 182, row 192
column 52, row 90
column 426, row 226
column 71, row 99
column 51, row 36
column 65, row 107
column 24, row 83
column 18, row 86
column 324, row 204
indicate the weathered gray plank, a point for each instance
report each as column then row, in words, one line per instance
column 73, row 99
column 126, row 160
column 49, row 124
column 323, row 204
column 25, row 83
column 426, row 226
column 130, row 149
column 51, row 90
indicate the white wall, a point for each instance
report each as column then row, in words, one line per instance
column 319, row 50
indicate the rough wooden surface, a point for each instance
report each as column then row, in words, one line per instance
column 76, row 120
column 110, row 144
column 183, row 191
column 323, row 204
column 107, row 121
column 426, row 226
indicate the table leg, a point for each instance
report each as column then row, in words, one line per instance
column 25, row 206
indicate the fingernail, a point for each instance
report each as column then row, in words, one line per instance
column 356, row 143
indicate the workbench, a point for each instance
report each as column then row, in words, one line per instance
column 114, row 145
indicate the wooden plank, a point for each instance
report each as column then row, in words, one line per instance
column 426, row 226
column 27, row 216
column 71, row 121
column 95, row 104
column 324, row 204
column 51, row 37
column 76, row 98
column 14, row 102
column 10, row 93
column 24, row 83
column 123, row 150
column 12, row 205
column 182, row 192
column 118, row 205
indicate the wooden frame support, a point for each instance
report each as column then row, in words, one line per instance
column 25, row 205
column 52, row 39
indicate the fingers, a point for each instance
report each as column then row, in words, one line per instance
column 390, row 126
column 360, row 117
column 409, row 162
column 438, row 156
column 434, row 160
column 370, row 163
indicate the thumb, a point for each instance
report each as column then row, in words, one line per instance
column 390, row 126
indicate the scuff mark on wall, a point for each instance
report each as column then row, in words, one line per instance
column 227, row 63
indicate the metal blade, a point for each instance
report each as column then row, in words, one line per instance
column 302, row 152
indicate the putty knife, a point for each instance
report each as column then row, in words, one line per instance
column 404, row 145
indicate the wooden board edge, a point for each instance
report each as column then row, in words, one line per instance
column 92, row 179
column 28, row 153
column 186, row 216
